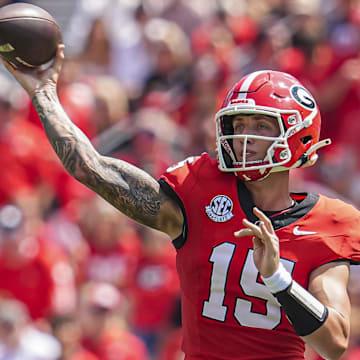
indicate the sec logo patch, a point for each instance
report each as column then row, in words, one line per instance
column 220, row 209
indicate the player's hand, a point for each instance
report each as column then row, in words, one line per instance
column 35, row 79
column 265, row 242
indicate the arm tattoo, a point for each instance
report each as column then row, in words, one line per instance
column 128, row 188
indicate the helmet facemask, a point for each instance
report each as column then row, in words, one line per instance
column 277, row 154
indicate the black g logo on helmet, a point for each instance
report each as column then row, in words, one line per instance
column 303, row 97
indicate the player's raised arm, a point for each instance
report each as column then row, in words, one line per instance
column 128, row 188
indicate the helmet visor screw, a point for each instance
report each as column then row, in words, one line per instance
column 292, row 120
column 283, row 154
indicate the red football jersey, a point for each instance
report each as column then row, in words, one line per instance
column 228, row 313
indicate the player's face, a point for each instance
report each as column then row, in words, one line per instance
column 256, row 124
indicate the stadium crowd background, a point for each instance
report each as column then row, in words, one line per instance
column 143, row 79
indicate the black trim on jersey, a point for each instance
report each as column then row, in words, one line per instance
column 352, row 262
column 168, row 190
column 301, row 208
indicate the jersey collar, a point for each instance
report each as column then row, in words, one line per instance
column 304, row 203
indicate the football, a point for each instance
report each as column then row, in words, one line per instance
column 29, row 35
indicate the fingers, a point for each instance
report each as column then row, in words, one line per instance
column 265, row 220
column 59, row 58
column 243, row 232
column 256, row 242
column 265, row 242
column 263, row 229
column 249, row 230
column 60, row 52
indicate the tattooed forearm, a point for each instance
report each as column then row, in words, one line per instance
column 128, row 188
column 69, row 142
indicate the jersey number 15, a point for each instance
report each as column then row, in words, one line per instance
column 214, row 307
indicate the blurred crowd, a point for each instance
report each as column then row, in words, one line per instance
column 143, row 79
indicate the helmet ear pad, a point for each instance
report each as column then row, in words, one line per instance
column 301, row 151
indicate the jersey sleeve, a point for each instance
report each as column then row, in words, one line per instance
column 181, row 177
column 178, row 182
column 342, row 228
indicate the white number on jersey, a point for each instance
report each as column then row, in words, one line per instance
column 214, row 307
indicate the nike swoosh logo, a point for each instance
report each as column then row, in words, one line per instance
column 296, row 231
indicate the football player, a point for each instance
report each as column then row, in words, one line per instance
column 262, row 270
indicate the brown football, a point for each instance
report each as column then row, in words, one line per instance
column 29, row 35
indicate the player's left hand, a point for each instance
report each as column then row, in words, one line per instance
column 265, row 242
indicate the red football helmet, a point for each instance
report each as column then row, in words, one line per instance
column 283, row 97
